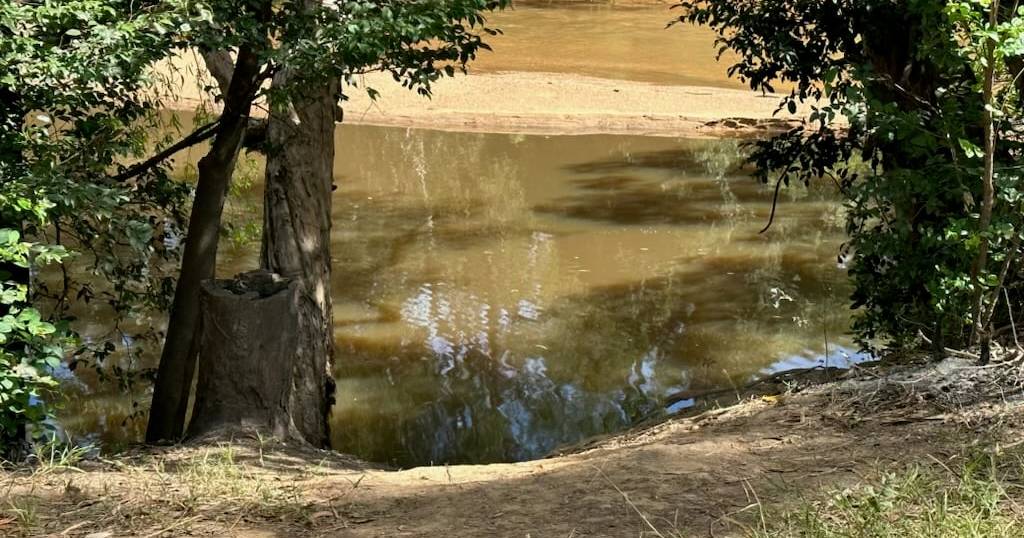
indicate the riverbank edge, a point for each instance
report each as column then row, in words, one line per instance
column 814, row 432
column 539, row 103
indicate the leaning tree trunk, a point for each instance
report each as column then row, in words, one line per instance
column 981, row 333
column 296, row 244
column 177, row 362
column 248, row 337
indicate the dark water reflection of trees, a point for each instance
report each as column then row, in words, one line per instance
column 512, row 306
column 499, row 296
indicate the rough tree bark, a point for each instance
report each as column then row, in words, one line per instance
column 248, row 336
column 177, row 362
column 299, row 144
column 296, row 243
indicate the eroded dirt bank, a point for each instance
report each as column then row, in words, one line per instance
column 698, row 476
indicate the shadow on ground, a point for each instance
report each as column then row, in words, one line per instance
column 706, row 476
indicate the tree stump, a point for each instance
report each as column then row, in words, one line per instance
column 247, row 345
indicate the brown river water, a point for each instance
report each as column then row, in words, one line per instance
column 500, row 296
column 622, row 43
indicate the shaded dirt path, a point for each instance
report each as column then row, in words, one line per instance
column 702, row 476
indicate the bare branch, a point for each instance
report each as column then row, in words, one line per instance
column 220, row 64
column 197, row 136
column 775, row 198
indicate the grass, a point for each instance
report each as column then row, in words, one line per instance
column 214, row 477
column 157, row 496
column 23, row 512
column 58, row 456
column 979, row 497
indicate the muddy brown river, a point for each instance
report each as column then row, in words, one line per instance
column 622, row 43
column 500, row 296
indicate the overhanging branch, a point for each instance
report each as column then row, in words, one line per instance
column 775, row 197
column 197, row 136
column 221, row 65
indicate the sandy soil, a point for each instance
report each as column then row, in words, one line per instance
column 542, row 103
column 707, row 475
column 550, row 103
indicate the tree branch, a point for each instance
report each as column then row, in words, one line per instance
column 775, row 197
column 221, row 66
column 197, row 136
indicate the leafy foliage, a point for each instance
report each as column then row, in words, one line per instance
column 29, row 346
column 75, row 103
column 79, row 100
column 896, row 93
column 416, row 41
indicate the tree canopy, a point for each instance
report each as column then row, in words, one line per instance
column 76, row 101
column 915, row 114
column 81, row 167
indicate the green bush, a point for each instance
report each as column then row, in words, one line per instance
column 30, row 348
column 77, row 103
column 904, row 96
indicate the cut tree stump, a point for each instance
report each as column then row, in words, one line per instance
column 246, row 356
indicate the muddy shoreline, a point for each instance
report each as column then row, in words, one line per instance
column 693, row 475
column 545, row 104
column 559, row 104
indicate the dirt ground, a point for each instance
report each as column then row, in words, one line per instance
column 534, row 103
column 706, row 475
column 551, row 103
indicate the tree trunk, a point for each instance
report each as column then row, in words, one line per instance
column 248, row 336
column 981, row 334
column 177, row 362
column 296, row 244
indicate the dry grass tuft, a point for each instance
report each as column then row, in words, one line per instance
column 207, row 489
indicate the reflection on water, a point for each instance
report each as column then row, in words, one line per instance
column 497, row 296
column 622, row 43
column 501, row 295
